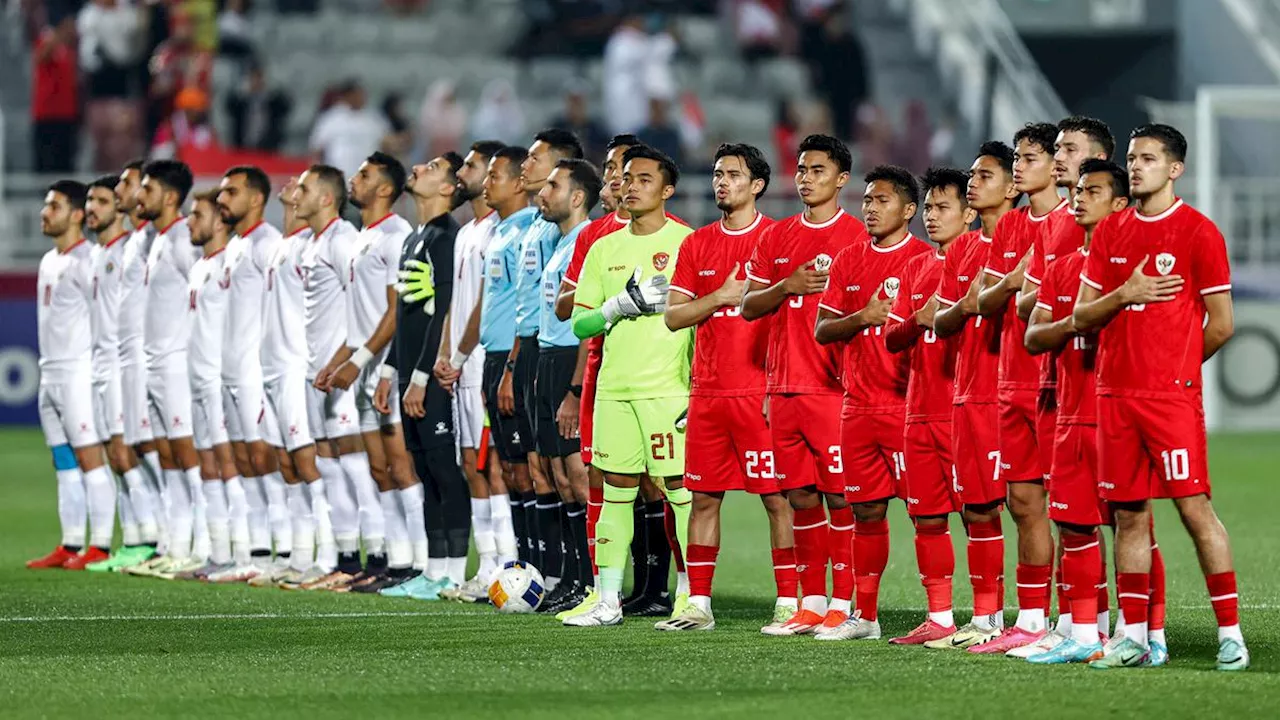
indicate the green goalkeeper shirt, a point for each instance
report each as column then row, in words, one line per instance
column 642, row 358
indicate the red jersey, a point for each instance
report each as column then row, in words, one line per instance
column 1059, row 236
column 1156, row 350
column 978, row 358
column 797, row 364
column 931, row 383
column 1014, row 236
column 1076, row 362
column 874, row 379
column 729, row 353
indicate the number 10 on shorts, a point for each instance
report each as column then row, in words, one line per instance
column 1177, row 464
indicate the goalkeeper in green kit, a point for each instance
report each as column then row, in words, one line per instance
column 643, row 386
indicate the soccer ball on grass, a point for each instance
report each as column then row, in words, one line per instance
column 517, row 588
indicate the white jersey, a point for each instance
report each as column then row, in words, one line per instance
column 168, row 267
column 468, row 263
column 63, row 317
column 284, row 344
column 133, row 294
column 373, row 266
column 207, row 300
column 246, row 261
column 325, row 269
column 108, row 266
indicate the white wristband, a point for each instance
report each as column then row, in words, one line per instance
column 360, row 357
column 419, row 378
column 458, row 360
column 386, row 372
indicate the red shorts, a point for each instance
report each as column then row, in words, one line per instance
column 806, row 441
column 586, row 411
column 975, row 449
column 1046, row 428
column 1019, row 453
column 930, row 474
column 727, row 446
column 1073, row 481
column 1152, row 448
column 871, row 449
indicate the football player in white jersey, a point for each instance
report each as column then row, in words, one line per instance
column 135, row 503
column 242, row 198
column 66, row 384
column 334, row 420
column 371, row 323
column 164, row 188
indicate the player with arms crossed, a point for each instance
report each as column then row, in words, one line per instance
column 644, row 379
column 727, row 435
column 790, row 264
column 1154, row 332
column 926, row 444
column 865, row 280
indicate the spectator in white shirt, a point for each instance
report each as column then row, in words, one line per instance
column 348, row 132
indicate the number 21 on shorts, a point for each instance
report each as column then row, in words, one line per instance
column 662, row 446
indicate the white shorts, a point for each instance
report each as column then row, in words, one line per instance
column 207, row 417
column 133, row 400
column 364, row 388
column 242, row 407
column 284, row 416
column 169, row 402
column 468, row 404
column 108, row 413
column 333, row 414
column 66, row 413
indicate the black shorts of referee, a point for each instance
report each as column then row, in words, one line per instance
column 555, row 375
column 504, row 430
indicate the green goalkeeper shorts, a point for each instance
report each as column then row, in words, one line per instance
column 632, row 436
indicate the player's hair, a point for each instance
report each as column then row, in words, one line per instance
column 487, row 148
column 1041, row 134
column 1174, row 142
column 173, row 174
column 514, row 155
column 208, row 195
column 563, row 142
column 833, row 147
column 622, row 140
column 107, row 182
column 391, row 169
column 254, row 177
column 583, row 176
column 333, row 179
column 1094, row 129
column 1002, row 153
column 1119, row 177
column 901, row 179
column 751, row 157
column 75, row 192
column 455, row 162
column 941, row 178
column 670, row 173
column 136, row 164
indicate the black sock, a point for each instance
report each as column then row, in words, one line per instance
column 252, row 553
column 517, row 524
column 549, row 535
column 376, row 562
column 401, row 572
column 349, row 562
column 284, row 555
column 529, row 503
column 658, row 549
column 639, row 557
column 71, row 548
column 570, row 538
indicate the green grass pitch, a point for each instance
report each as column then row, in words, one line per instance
column 82, row 645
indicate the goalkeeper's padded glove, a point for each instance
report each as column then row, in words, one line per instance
column 417, row 283
column 683, row 421
column 648, row 298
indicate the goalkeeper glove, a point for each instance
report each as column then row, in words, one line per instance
column 416, row 284
column 648, row 298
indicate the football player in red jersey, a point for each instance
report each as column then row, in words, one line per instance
column 1156, row 331
column 787, row 271
column 1074, row 504
column 975, row 447
column 931, row 496
column 728, row 444
column 865, row 280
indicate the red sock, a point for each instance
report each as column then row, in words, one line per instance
column 986, row 566
column 1133, row 592
column 1079, row 572
column 1222, row 593
column 1104, row 597
column 784, row 572
column 840, row 544
column 595, row 502
column 669, row 527
column 1155, row 615
column 870, row 556
column 810, row 528
column 936, row 560
column 1033, row 585
column 702, row 568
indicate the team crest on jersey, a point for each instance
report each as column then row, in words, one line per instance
column 111, row 267
column 660, row 261
column 1164, row 263
column 891, row 286
column 822, row 262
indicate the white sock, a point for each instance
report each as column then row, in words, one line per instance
column 482, row 529
column 153, row 472
column 256, row 514
column 944, row 618
column 304, row 529
column 1083, row 633
column 71, row 506
column 1158, row 635
column 178, row 501
column 456, row 569
column 815, row 603
column 238, row 509
column 1104, row 622
column 130, row 533
column 326, row 549
column 200, row 542
column 1065, row 624
column 1030, row 619
column 341, row 498
column 100, row 496
column 219, row 521
column 702, row 602
column 399, row 550
column 142, row 500
column 373, row 526
column 164, row 512
column 437, row 568
column 1136, row 632
column 504, row 533
column 278, row 514
column 411, row 500
column 845, row 606
column 682, row 583
column 1120, row 623
column 989, row 622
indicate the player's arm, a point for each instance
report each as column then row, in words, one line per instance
column 1221, row 323
column 564, row 301
column 568, row 414
column 1044, row 334
column 904, row 328
column 998, row 289
column 1094, row 309
column 762, row 299
column 685, row 310
column 952, row 316
column 1027, row 298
